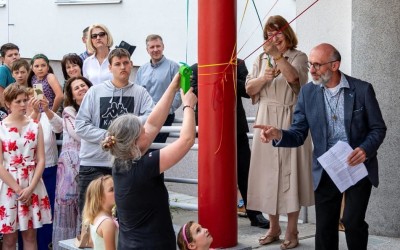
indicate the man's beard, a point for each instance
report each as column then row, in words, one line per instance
column 323, row 78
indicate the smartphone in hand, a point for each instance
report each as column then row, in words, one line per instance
column 38, row 91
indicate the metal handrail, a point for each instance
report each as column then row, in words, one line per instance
column 168, row 129
column 157, row 145
column 249, row 119
column 174, row 132
column 181, row 180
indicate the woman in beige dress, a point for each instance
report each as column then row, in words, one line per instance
column 280, row 179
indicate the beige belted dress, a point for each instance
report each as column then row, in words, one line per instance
column 280, row 179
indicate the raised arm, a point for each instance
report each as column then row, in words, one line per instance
column 54, row 119
column 159, row 114
column 69, row 115
column 294, row 72
column 175, row 151
column 56, row 87
column 177, row 102
column 259, row 77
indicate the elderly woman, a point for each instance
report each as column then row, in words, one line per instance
column 95, row 67
column 279, row 179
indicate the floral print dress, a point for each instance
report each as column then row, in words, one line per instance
column 19, row 159
column 65, row 222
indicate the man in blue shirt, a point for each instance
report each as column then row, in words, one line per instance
column 86, row 53
column 156, row 76
column 9, row 53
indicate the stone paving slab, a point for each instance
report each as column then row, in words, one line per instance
column 248, row 235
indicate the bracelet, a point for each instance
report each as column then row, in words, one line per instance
column 186, row 106
column 279, row 58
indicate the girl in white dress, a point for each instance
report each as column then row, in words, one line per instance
column 24, row 203
column 97, row 212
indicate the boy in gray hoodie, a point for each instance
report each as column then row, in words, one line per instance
column 101, row 104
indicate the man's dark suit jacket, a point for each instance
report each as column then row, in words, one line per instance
column 363, row 120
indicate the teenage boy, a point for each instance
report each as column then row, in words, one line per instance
column 20, row 72
column 101, row 104
column 9, row 52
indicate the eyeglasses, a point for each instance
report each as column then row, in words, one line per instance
column 100, row 34
column 271, row 35
column 317, row 66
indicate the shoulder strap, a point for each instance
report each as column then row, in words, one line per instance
column 100, row 220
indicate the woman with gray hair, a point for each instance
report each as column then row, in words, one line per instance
column 140, row 194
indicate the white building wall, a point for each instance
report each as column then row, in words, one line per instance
column 42, row 26
column 326, row 22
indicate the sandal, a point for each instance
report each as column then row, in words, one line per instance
column 289, row 244
column 268, row 239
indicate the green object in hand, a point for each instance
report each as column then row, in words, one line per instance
column 185, row 71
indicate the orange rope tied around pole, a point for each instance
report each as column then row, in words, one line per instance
column 219, row 86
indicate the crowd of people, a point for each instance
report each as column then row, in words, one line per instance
column 108, row 124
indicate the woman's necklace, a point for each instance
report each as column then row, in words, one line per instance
column 333, row 112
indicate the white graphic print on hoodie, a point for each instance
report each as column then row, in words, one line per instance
column 102, row 104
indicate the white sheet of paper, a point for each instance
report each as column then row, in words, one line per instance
column 334, row 161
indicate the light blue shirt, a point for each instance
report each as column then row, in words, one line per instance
column 156, row 79
column 334, row 107
column 84, row 55
column 334, row 111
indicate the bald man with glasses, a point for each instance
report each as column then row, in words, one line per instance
column 336, row 107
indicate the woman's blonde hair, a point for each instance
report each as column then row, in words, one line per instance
column 94, row 199
column 89, row 43
column 123, row 133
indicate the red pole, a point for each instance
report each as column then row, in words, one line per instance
column 217, row 120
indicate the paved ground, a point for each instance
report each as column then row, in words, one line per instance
column 248, row 235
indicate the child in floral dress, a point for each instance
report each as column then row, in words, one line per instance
column 24, row 203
